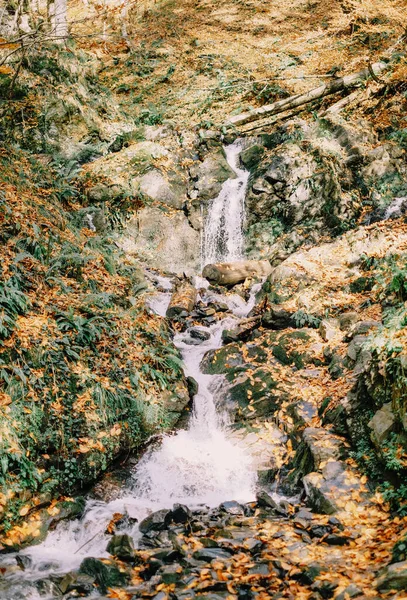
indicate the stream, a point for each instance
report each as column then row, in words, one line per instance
column 202, row 465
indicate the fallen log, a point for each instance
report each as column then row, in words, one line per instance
column 182, row 300
column 341, row 83
column 232, row 273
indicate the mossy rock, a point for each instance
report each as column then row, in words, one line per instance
column 288, row 349
column 106, row 574
column 256, row 394
column 227, row 359
column 251, row 157
column 362, row 284
column 217, row 362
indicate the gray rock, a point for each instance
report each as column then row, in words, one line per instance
column 199, row 334
column 156, row 187
column 356, row 346
column 394, row 577
column 382, row 424
column 347, row 320
column 232, row 508
column 328, row 329
column 157, row 521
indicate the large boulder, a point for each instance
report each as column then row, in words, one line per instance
column 165, row 240
column 209, row 175
column 155, row 186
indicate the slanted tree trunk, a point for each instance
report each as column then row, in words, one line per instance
column 348, row 81
column 182, row 301
column 232, row 273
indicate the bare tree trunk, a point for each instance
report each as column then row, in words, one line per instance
column 323, row 90
column 182, row 301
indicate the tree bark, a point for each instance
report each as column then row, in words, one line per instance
column 326, row 89
column 182, row 300
column 232, row 273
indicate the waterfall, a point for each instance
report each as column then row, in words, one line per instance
column 223, row 231
column 203, row 464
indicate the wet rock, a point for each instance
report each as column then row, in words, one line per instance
column 157, row 521
column 105, row 574
column 253, row 545
column 393, row 577
column 319, row 531
column 121, row 546
column 266, row 501
column 80, row 582
column 180, row 514
column 260, row 569
column 232, row 508
column 308, row 574
column 192, row 386
column 199, row 334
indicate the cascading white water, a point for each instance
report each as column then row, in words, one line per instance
column 223, row 232
column 200, row 465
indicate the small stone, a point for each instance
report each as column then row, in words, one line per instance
column 318, row 531
column 260, row 569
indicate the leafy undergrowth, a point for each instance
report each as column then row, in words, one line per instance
column 82, row 365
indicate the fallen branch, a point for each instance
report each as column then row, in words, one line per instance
column 326, row 89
